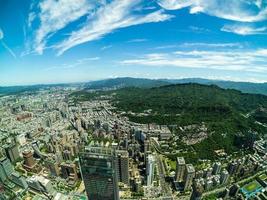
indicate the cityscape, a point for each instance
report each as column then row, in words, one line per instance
column 57, row 146
column 133, row 100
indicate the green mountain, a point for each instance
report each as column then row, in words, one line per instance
column 125, row 82
column 246, row 87
column 230, row 116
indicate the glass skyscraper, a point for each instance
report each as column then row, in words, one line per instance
column 98, row 168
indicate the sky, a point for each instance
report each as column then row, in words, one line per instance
column 60, row 41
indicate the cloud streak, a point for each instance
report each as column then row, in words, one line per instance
column 235, row 10
column 244, row 29
column 97, row 19
column 245, row 60
column 54, row 15
column 5, row 45
column 107, row 19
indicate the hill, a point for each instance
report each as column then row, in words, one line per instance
column 124, row 82
column 246, row 87
column 229, row 115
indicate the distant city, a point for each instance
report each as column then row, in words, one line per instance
column 74, row 142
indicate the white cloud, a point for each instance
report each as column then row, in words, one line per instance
column 137, row 40
column 112, row 16
column 101, row 17
column 1, row 34
column 77, row 63
column 245, row 60
column 10, row 51
column 244, row 29
column 203, row 45
column 54, row 15
column 213, row 45
column 106, row 47
column 236, row 10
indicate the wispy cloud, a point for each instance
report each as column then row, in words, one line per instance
column 202, row 45
column 214, row 45
column 106, row 47
column 5, row 45
column 245, row 60
column 112, row 16
column 197, row 29
column 100, row 17
column 78, row 62
column 236, row 10
column 54, row 15
column 244, row 29
column 137, row 40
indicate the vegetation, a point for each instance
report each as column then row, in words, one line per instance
column 226, row 113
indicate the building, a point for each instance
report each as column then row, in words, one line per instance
column 216, row 168
column 189, row 176
column 19, row 180
column 12, row 152
column 41, row 184
column 98, row 168
column 123, row 166
column 29, row 161
column 53, row 167
column 198, row 190
column 6, row 169
column 69, row 172
column 224, row 177
column 150, row 169
column 180, row 169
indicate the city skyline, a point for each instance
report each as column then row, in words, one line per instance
column 74, row 41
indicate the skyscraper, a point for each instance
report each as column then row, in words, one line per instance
column 6, row 169
column 189, row 176
column 12, row 152
column 99, row 173
column 123, row 166
column 150, row 168
column 180, row 169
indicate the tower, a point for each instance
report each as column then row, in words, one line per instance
column 99, row 173
column 123, row 166
column 189, row 176
column 180, row 169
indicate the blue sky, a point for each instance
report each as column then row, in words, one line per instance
column 55, row 41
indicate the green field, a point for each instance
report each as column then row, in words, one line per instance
column 263, row 177
column 251, row 187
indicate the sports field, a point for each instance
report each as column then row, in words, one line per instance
column 250, row 189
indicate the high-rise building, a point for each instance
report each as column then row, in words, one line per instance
column 6, row 169
column 198, row 189
column 150, row 168
column 69, row 172
column 224, row 177
column 53, row 167
column 29, row 161
column 189, row 176
column 180, row 169
column 216, row 168
column 12, row 152
column 123, row 166
column 99, row 173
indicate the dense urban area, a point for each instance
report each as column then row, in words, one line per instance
column 63, row 143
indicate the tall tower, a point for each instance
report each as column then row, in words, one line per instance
column 150, row 168
column 189, row 176
column 28, row 158
column 180, row 169
column 99, row 173
column 123, row 166
column 12, row 152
